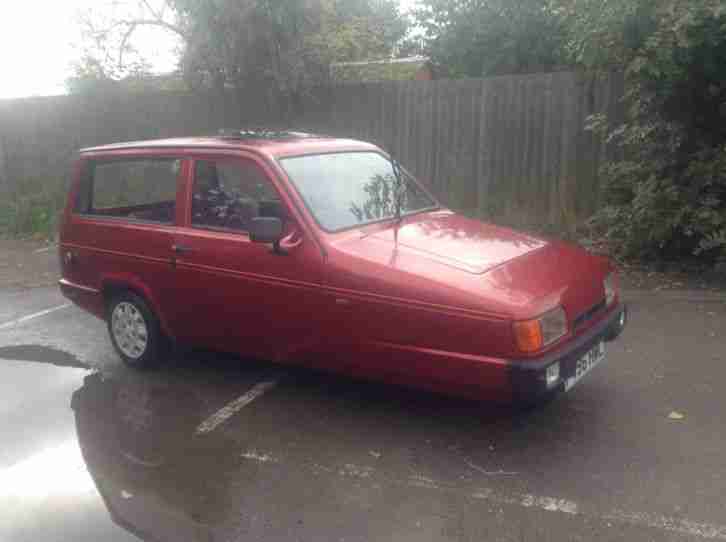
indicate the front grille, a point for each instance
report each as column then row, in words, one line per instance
column 588, row 315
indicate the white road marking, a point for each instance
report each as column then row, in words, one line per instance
column 24, row 319
column 416, row 480
column 673, row 525
column 229, row 410
column 252, row 455
column 485, row 472
column 708, row 531
column 550, row 504
column 355, row 471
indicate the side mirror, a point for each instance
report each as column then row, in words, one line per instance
column 265, row 229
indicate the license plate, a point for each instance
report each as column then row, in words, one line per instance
column 586, row 363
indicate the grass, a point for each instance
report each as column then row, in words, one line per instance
column 31, row 208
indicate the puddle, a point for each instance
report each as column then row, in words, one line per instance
column 41, row 354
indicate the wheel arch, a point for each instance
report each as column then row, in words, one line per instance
column 112, row 285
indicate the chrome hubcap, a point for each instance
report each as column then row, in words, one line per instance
column 129, row 330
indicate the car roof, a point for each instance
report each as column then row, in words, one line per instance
column 273, row 143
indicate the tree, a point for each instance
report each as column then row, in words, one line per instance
column 285, row 45
column 359, row 30
column 107, row 56
column 476, row 38
column 606, row 34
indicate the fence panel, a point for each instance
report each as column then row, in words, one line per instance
column 511, row 147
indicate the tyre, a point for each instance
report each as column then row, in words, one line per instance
column 618, row 325
column 135, row 331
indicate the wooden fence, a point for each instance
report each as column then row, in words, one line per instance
column 509, row 147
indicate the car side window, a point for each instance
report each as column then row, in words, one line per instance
column 140, row 189
column 229, row 194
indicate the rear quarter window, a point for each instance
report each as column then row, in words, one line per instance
column 138, row 189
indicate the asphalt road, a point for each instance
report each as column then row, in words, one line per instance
column 210, row 447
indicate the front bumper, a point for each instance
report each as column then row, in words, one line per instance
column 528, row 377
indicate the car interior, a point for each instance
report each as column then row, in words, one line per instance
column 230, row 194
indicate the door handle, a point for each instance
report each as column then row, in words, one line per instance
column 181, row 249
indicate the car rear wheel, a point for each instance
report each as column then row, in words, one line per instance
column 134, row 329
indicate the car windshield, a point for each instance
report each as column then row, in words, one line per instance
column 343, row 190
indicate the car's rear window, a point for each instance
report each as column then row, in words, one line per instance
column 141, row 189
column 346, row 189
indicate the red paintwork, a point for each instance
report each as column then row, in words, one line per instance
column 429, row 302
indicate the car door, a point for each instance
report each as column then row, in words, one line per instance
column 122, row 225
column 236, row 295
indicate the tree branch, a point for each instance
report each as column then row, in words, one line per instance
column 122, row 46
column 134, row 24
column 154, row 22
column 158, row 16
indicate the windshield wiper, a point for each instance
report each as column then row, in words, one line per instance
column 398, row 188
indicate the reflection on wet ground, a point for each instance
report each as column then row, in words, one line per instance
column 158, row 479
column 162, row 478
column 282, row 464
column 213, row 448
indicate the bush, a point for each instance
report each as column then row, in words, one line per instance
column 666, row 198
column 7, row 218
column 32, row 208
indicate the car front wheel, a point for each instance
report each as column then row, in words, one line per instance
column 618, row 325
column 134, row 329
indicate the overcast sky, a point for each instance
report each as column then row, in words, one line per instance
column 38, row 40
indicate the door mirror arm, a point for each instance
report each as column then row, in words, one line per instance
column 277, row 249
column 284, row 246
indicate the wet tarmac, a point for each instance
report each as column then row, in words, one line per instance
column 210, row 447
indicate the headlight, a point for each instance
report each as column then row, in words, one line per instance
column 610, row 288
column 554, row 325
column 532, row 335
